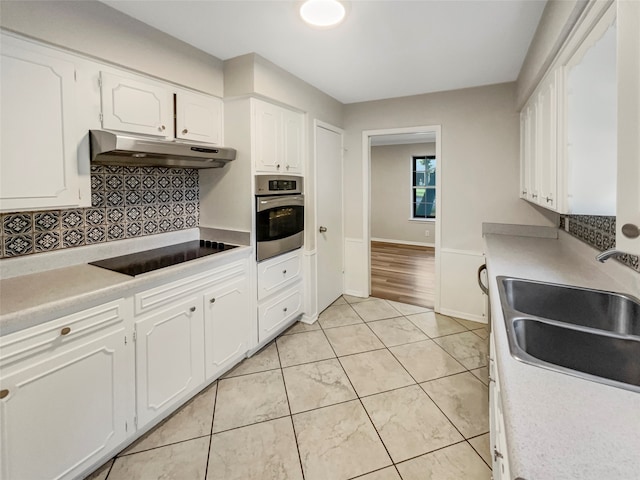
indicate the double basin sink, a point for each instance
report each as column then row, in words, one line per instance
column 591, row 334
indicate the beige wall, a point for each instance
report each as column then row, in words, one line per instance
column 479, row 162
column 558, row 17
column 391, row 194
column 97, row 30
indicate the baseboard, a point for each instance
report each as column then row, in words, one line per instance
column 356, row 293
column 403, row 242
column 308, row 319
column 464, row 315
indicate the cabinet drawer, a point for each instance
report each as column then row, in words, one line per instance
column 277, row 273
column 274, row 314
column 53, row 336
column 175, row 291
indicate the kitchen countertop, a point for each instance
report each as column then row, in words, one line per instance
column 30, row 300
column 559, row 426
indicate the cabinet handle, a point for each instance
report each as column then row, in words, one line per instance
column 548, row 199
column 278, row 166
column 534, row 195
column 287, row 167
column 524, row 192
column 162, row 128
column 285, row 309
column 496, row 455
column 213, row 300
column 65, row 331
column 3, row 393
column 192, row 309
column 185, row 131
column 284, row 272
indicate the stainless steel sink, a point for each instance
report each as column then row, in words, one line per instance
column 609, row 311
column 591, row 334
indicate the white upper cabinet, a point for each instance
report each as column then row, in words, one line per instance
column 198, row 117
column 39, row 167
column 546, row 145
column 628, row 206
column 136, row 105
column 278, row 138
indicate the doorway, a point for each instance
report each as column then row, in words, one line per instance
column 402, row 178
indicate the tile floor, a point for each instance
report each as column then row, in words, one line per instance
column 374, row 390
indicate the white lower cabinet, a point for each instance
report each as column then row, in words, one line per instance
column 226, row 324
column 65, row 394
column 274, row 314
column 169, row 357
column 498, row 438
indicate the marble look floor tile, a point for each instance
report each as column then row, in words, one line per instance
column 249, row 399
column 352, row 299
column 469, row 324
column 407, row 309
column 375, row 372
column 389, row 473
column 375, row 309
column 409, row 423
column 464, row 400
column 482, row 445
column 397, row 331
column 318, row 384
column 426, row 361
column 482, row 332
column 265, row 359
column 191, row 421
column 452, row 463
column 300, row 327
column 102, row 472
column 180, row 461
column 482, row 374
column 303, row 348
column 466, row 347
column 338, row 316
column 436, row 325
column 264, row 451
column 352, row 339
column 338, row 442
column 339, row 301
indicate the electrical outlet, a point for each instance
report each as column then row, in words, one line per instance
column 427, row 233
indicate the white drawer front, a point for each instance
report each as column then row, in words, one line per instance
column 53, row 336
column 277, row 273
column 274, row 314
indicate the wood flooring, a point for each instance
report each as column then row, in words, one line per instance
column 403, row 273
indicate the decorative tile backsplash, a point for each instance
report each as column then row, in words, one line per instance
column 126, row 202
column 599, row 232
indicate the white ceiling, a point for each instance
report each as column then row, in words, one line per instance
column 383, row 49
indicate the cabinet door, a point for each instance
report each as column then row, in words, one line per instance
column 198, row 118
column 546, row 151
column 628, row 196
column 528, row 152
column 227, row 317
column 169, row 357
column 61, row 414
column 293, row 141
column 136, row 106
column 275, row 314
column 268, row 137
column 39, row 152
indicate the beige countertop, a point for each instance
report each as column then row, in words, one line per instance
column 32, row 299
column 559, row 426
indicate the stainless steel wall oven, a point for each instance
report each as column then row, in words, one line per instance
column 279, row 215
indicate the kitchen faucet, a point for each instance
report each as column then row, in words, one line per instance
column 612, row 252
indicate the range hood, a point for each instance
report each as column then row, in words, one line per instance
column 109, row 148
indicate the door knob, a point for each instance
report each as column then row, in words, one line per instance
column 630, row 230
column 323, row 229
column 185, row 131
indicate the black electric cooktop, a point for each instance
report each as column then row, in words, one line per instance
column 149, row 260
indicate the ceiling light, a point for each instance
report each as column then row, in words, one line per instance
column 322, row 13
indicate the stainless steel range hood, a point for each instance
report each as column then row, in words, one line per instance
column 109, row 148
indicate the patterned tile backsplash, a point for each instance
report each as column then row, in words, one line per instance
column 125, row 202
column 599, row 232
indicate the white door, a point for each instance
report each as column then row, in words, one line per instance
column 226, row 324
column 330, row 236
column 169, row 357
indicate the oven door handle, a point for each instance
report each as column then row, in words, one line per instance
column 267, row 203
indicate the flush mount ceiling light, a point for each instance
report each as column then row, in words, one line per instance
column 322, row 13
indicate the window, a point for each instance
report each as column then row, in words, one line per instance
column 423, row 195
